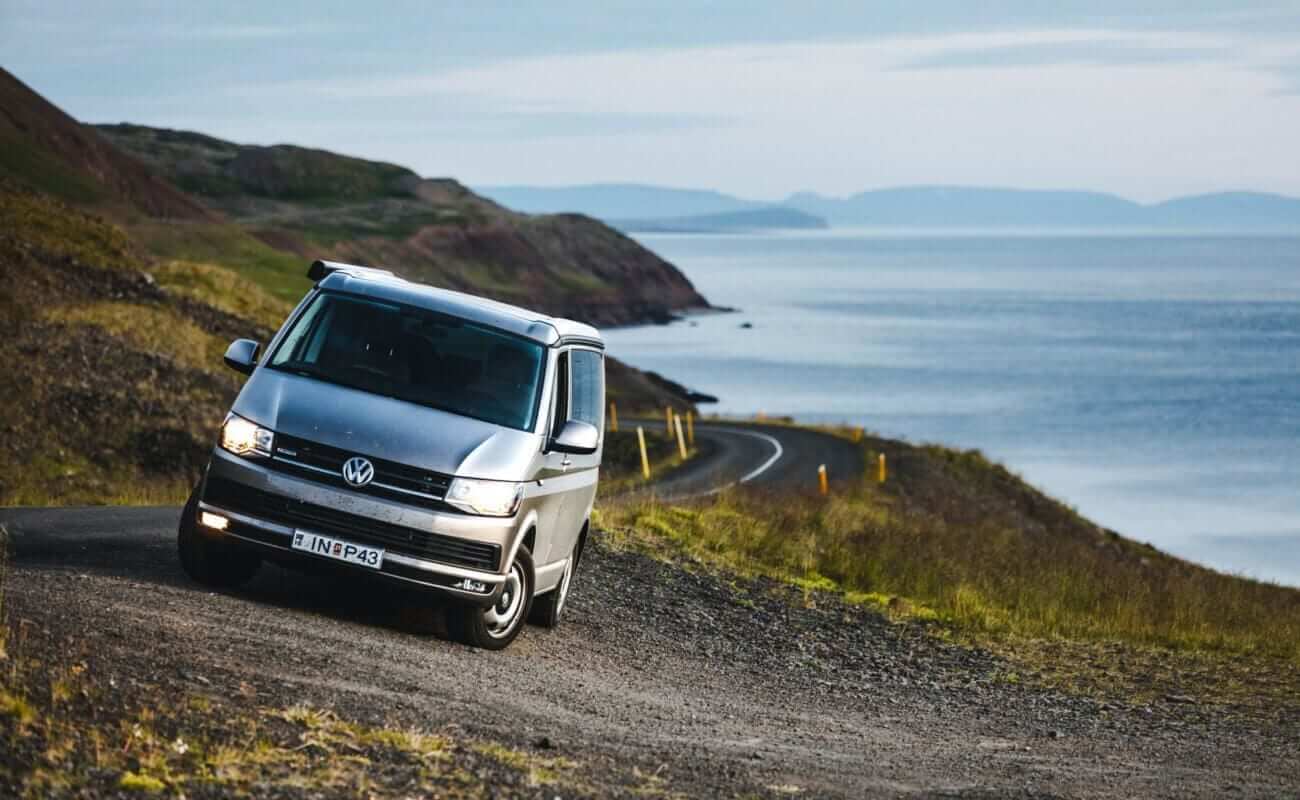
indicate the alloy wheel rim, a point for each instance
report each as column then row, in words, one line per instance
column 502, row 616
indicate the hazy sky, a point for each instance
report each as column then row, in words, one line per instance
column 758, row 99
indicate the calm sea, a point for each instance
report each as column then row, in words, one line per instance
column 1151, row 381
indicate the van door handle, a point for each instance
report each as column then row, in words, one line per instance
column 566, row 462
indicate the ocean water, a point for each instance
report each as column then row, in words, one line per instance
column 1151, row 381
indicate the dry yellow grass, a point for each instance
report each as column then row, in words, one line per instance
column 150, row 328
column 55, row 229
column 224, row 289
column 997, row 573
column 59, row 746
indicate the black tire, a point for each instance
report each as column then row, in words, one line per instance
column 549, row 607
column 495, row 627
column 208, row 559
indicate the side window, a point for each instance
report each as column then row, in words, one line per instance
column 588, row 387
column 561, row 394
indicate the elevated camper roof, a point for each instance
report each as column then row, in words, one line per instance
column 382, row 284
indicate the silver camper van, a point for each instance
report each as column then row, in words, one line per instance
column 409, row 434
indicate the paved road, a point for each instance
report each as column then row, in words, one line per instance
column 759, row 455
column 663, row 677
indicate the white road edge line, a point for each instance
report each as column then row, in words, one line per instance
column 778, row 451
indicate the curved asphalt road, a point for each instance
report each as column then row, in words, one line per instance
column 760, row 455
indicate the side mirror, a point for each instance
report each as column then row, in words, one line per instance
column 579, row 438
column 241, row 356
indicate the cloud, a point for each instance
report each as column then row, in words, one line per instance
column 1289, row 75
column 1146, row 113
column 440, row 106
column 758, row 80
column 508, row 124
column 1097, row 52
column 219, row 32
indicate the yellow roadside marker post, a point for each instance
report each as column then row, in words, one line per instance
column 681, row 439
column 645, row 459
column 882, row 471
column 822, row 482
column 690, row 428
column 857, row 434
column 613, row 417
column 668, row 421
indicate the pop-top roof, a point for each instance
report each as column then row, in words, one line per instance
column 382, row 284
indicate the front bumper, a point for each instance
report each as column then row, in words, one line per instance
column 231, row 479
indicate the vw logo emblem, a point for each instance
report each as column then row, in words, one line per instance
column 358, row 471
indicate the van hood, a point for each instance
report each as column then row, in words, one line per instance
column 382, row 427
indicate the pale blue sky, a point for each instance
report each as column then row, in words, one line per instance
column 758, row 99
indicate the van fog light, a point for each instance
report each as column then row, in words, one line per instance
column 473, row 586
column 214, row 521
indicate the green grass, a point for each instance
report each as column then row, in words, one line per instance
column 996, row 574
column 64, row 478
column 283, row 275
column 620, row 468
column 57, row 231
column 224, row 289
column 201, row 164
column 330, row 231
column 39, row 169
column 150, row 328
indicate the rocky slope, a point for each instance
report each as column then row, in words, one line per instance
column 43, row 147
column 315, row 203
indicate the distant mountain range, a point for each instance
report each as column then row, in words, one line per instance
column 638, row 208
column 617, row 200
column 942, row 206
column 768, row 217
column 645, row 208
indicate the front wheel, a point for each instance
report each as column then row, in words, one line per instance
column 206, row 558
column 495, row 627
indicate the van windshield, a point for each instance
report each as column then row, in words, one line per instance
column 418, row 356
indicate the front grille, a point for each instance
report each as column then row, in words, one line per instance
column 398, row 538
column 324, row 464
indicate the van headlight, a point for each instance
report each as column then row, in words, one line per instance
column 489, row 498
column 243, row 438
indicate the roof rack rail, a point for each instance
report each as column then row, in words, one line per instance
column 322, row 269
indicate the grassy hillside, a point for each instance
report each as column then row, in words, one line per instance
column 45, row 149
column 119, row 386
column 963, row 546
column 314, row 203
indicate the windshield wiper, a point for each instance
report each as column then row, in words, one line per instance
column 312, row 371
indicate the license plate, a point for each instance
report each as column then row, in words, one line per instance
column 372, row 557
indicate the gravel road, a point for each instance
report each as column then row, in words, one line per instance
column 711, row 686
